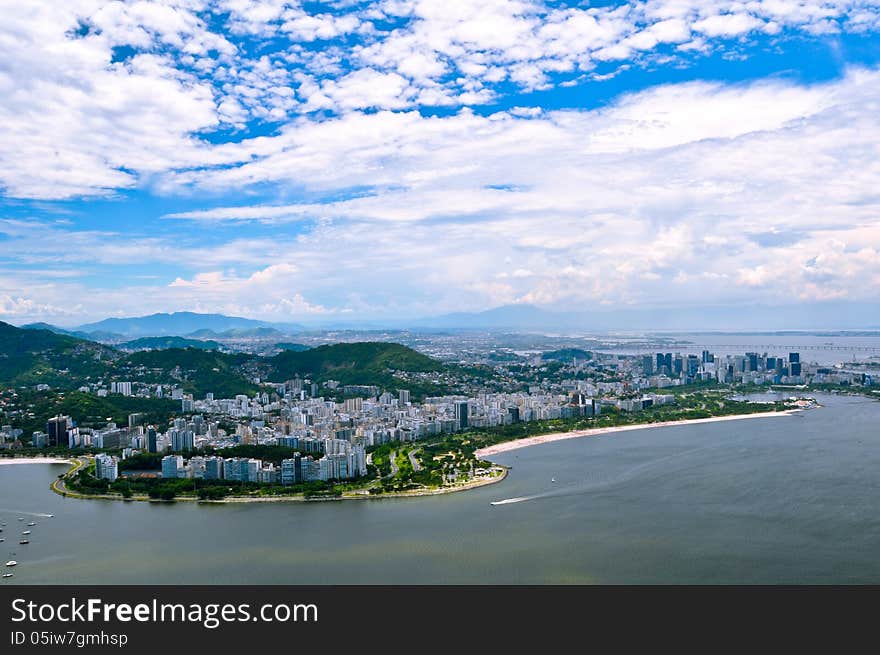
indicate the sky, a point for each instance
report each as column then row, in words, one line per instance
column 326, row 161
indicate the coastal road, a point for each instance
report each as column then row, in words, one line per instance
column 59, row 485
column 412, row 460
column 394, row 467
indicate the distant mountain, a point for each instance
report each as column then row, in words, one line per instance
column 297, row 347
column 566, row 355
column 239, row 333
column 368, row 362
column 94, row 336
column 45, row 326
column 511, row 317
column 36, row 355
column 199, row 371
column 160, row 343
column 178, row 323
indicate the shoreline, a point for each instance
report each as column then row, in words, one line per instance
column 61, row 489
column 34, row 460
column 537, row 440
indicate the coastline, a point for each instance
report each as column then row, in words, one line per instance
column 525, row 442
column 61, row 489
column 34, row 460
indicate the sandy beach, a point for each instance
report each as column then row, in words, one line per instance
column 33, row 460
column 592, row 432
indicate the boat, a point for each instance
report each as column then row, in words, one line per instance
column 31, row 523
column 11, row 562
column 25, row 531
column 24, row 541
column 21, row 518
column 552, row 479
column 8, row 575
column 49, row 516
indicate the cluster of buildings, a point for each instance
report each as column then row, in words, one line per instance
column 331, row 437
column 340, row 461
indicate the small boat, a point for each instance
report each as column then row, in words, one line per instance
column 25, row 531
column 11, row 562
column 49, row 516
column 31, row 523
column 552, row 479
column 24, row 541
column 2, row 540
column 8, row 575
column 21, row 518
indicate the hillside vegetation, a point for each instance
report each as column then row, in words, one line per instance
column 28, row 357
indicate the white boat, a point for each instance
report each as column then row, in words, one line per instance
column 24, row 541
column 25, row 531
column 11, row 562
column 552, row 479
column 21, row 518
column 31, row 523
column 8, row 575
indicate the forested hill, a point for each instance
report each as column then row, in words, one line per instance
column 31, row 356
column 34, row 356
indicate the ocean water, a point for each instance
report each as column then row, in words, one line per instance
column 779, row 500
column 824, row 350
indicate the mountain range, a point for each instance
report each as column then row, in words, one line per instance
column 517, row 317
column 33, row 356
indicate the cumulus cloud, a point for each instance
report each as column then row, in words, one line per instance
column 754, row 191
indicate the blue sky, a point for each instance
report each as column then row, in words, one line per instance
column 325, row 161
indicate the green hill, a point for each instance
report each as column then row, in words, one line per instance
column 198, row 371
column 368, row 362
column 34, row 356
column 298, row 347
column 162, row 343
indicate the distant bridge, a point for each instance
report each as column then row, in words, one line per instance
column 746, row 347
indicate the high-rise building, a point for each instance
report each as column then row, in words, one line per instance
column 106, row 467
column 151, row 440
column 403, row 396
column 172, row 466
column 214, row 468
column 461, row 414
column 56, row 428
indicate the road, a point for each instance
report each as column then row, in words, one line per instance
column 394, row 467
column 412, row 460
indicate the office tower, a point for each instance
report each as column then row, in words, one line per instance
column 172, row 465
column 403, row 396
column 647, row 364
column 752, row 361
column 106, row 467
column 461, row 414
column 56, row 428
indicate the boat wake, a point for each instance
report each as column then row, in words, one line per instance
column 508, row 501
column 20, row 513
column 599, row 480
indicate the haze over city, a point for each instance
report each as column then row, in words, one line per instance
column 652, row 164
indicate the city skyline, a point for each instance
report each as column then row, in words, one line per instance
column 336, row 162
